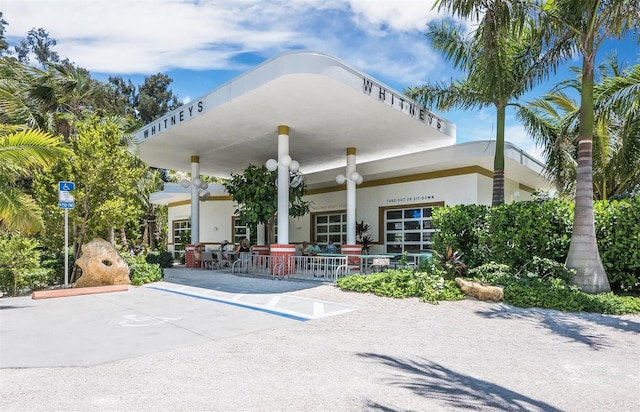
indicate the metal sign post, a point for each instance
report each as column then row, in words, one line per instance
column 66, row 202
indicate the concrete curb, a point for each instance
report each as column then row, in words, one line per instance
column 60, row 293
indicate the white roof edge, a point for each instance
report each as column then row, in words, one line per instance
column 289, row 63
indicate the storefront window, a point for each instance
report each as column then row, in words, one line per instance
column 330, row 226
column 408, row 229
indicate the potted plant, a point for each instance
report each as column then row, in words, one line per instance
column 362, row 238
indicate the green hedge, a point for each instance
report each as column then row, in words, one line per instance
column 515, row 233
column 465, row 228
column 521, row 230
column 618, row 233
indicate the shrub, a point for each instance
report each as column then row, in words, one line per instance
column 557, row 294
column 493, row 273
column 19, row 261
column 522, row 230
column 163, row 259
column 546, row 269
column 618, row 234
column 451, row 262
column 463, row 227
column 141, row 272
column 403, row 283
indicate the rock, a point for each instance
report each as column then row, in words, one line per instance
column 480, row 291
column 101, row 265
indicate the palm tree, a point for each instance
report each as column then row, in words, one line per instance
column 22, row 153
column 586, row 24
column 501, row 63
column 553, row 121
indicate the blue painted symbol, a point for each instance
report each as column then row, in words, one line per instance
column 66, row 186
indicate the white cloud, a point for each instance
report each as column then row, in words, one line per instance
column 383, row 38
column 147, row 36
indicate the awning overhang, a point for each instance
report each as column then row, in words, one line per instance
column 327, row 105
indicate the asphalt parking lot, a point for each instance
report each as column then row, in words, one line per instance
column 204, row 340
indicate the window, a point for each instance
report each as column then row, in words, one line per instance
column 330, row 227
column 408, row 229
column 241, row 231
column 181, row 235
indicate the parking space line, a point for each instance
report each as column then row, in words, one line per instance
column 227, row 302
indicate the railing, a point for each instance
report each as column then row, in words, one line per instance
column 324, row 267
column 321, row 268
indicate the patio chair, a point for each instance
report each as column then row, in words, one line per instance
column 206, row 260
column 222, row 261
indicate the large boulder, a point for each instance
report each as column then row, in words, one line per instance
column 480, row 291
column 101, row 265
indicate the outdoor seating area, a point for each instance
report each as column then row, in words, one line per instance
column 326, row 267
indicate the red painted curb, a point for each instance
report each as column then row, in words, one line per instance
column 60, row 293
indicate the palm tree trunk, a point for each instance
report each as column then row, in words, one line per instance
column 498, row 159
column 583, row 254
column 123, row 238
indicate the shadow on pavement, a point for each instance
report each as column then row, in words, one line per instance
column 570, row 325
column 434, row 381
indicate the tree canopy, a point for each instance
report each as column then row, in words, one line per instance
column 256, row 193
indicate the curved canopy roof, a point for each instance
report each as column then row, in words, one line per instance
column 327, row 104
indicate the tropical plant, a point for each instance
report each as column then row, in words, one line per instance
column 451, row 261
column 23, row 154
column 500, row 62
column 553, row 121
column 585, row 25
column 362, row 237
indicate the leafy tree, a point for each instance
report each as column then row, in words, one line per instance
column 119, row 97
column 154, row 98
column 106, row 176
column 23, row 154
column 40, row 44
column 499, row 59
column 256, row 193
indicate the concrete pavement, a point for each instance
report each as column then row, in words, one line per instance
column 208, row 341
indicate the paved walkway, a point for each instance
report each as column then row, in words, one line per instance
column 204, row 340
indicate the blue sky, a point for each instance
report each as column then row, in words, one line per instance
column 202, row 44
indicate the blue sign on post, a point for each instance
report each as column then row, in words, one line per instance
column 66, row 186
column 65, row 199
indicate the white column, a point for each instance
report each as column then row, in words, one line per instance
column 195, row 201
column 284, row 160
column 260, row 228
column 351, row 196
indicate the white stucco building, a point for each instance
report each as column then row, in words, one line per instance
column 313, row 113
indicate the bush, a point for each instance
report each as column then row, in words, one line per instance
column 403, row 283
column 163, row 259
column 493, row 273
column 463, row 227
column 618, row 234
column 19, row 261
column 546, row 269
column 557, row 294
column 141, row 272
column 515, row 233
column 522, row 230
